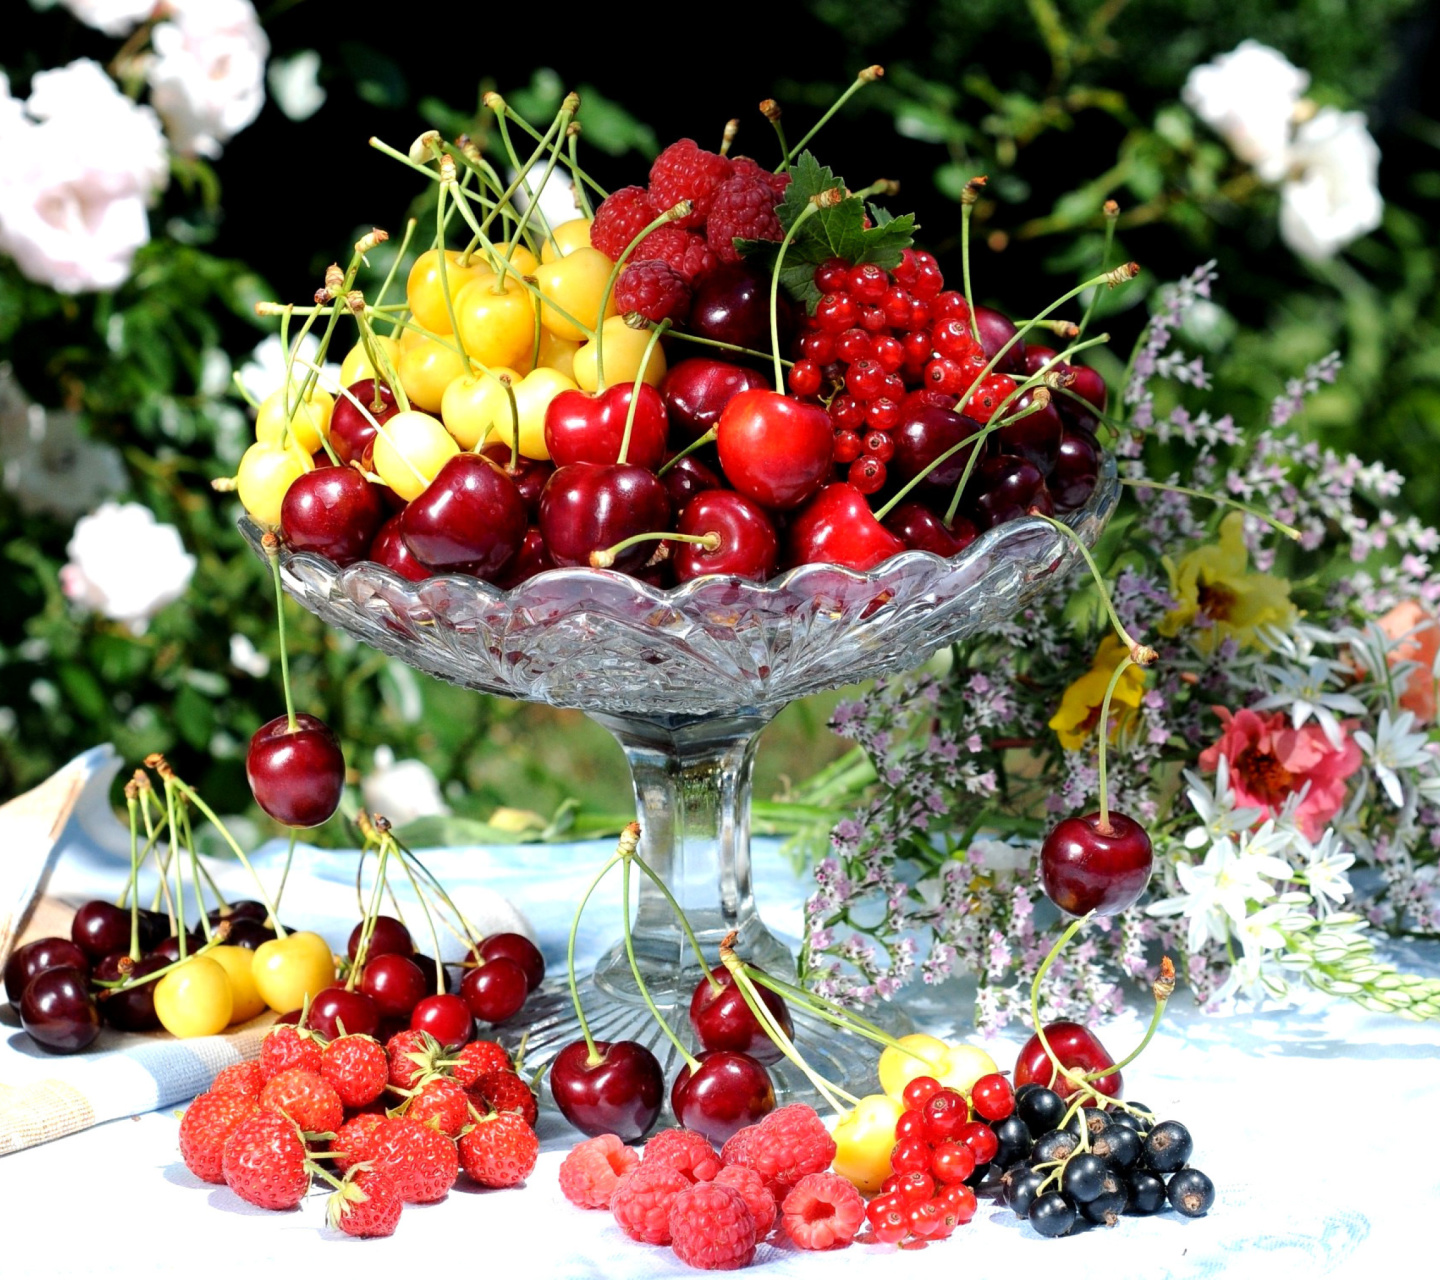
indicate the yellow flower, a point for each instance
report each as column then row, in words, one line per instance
column 1080, row 706
column 1215, row 581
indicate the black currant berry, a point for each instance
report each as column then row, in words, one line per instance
column 1096, row 1121
column 1055, row 1145
column 1084, row 1177
column 1168, row 1146
column 1140, row 1123
column 1052, row 1215
column 1105, row 1209
column 1019, row 1187
column 1117, row 1146
column 1042, row 1110
column 1190, row 1192
column 1025, row 1089
column 1147, row 1192
column 1014, row 1139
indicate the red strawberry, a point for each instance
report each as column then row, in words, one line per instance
column 368, row 1205
column 505, row 1091
column 442, row 1103
column 285, row 1047
column 264, row 1161
column 306, row 1098
column 422, row 1160
column 243, row 1078
column 358, row 1068
column 354, row 1139
column 211, row 1119
column 413, row 1055
column 499, row 1151
column 477, row 1060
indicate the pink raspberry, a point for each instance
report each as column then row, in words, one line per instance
column 641, row 1203
column 737, row 1146
column 711, row 1228
column 654, row 289
column 686, row 251
column 824, row 1211
column 743, row 166
column 787, row 1145
column 686, row 1150
column 744, row 208
column 684, row 172
column 622, row 216
column 751, row 1185
column 593, row 1169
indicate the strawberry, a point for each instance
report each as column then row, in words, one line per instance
column 477, row 1060
column 211, row 1119
column 357, row 1067
column 422, row 1160
column 441, row 1103
column 308, row 1099
column 264, row 1161
column 505, row 1091
column 366, row 1205
column 499, row 1151
column 413, row 1055
column 354, row 1142
column 243, row 1078
column 285, row 1047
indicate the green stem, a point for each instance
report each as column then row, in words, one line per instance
column 272, row 554
column 369, row 915
column 134, row 892
column 679, row 916
column 670, row 215
column 1112, row 212
column 1142, row 654
column 1221, row 499
column 180, row 933
column 285, row 871
column 410, row 224
column 535, row 133
column 429, row 918
column 807, row 212
column 1060, row 1070
column 639, row 381
column 698, row 443
column 1103, row 826
column 726, row 346
column 586, row 209
column 655, row 1013
column 868, row 76
column 968, row 442
column 833, row 1013
column 594, row 1056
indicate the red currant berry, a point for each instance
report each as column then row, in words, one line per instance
column 804, row 378
column 893, row 387
column 988, row 396
column 910, row 1125
column 864, row 379
column 919, row 1091
column 896, row 306
column 836, row 312
column 981, row 1139
column 879, row 445
column 952, row 1162
column 891, row 1186
column 847, row 413
column 893, row 1226
column 928, row 279
column 907, row 268
column 867, row 474
column 888, row 353
column 911, row 1156
column 868, row 282
column 873, row 320
column 950, row 305
column 916, row 1185
column 958, row 1200
column 945, row 376
column 882, row 415
column 992, row 1097
column 920, row 316
column 876, row 1210
column 818, row 346
column 854, row 345
column 924, row 1219
column 945, row 1115
column 848, row 447
column 952, row 338
column 917, row 346
column 831, row 275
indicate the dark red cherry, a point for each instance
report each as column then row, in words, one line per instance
column 1005, row 488
column 687, row 477
column 926, row 433
column 1086, row 867
column 431, row 972
column 726, row 1092
column 732, row 304
column 57, row 1011
column 496, row 990
column 619, row 1091
column 245, row 909
column 722, row 1019
column 1039, row 358
column 838, row 527
column 995, row 331
column 1076, row 1047
column 35, row 958
column 352, row 435
column 1089, row 385
column 580, row 427
column 1035, row 436
column 749, row 546
column 169, row 948
column 388, row 937
column 1076, row 471
column 471, row 519
column 133, row 1008
column 697, row 390
column 775, row 450
column 395, row 983
column 100, row 927
column 296, row 776
column 528, row 475
column 446, row 1017
column 154, row 925
column 532, row 558
column 334, row 512
column 588, row 507
column 390, row 550
column 248, row 934
column 920, row 529
column 925, row 398
column 335, row 1008
column 516, row 947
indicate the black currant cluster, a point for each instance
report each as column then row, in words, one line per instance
column 1126, row 1163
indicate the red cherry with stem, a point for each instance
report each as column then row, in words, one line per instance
column 685, row 477
column 838, row 527
column 1089, row 385
column 749, row 546
column 731, row 304
column 1093, row 864
column 334, row 1007
column 774, row 449
column 1035, row 436
column 620, row 1091
column 496, row 990
column 296, row 775
column 1076, row 1047
column 431, row 972
column 580, row 427
column 388, row 937
column 334, row 512
column 390, row 550
column 516, row 947
column 528, row 475
column 995, row 331
column 532, row 558
column 446, row 1017
column 133, row 1008
column 169, row 948
column 697, row 390
column 1005, row 488
column 352, row 434
column 725, row 1092
column 34, row 958
column 245, row 909
column 926, row 433
column 471, row 518
column 588, row 507
column 248, row 934
column 722, row 1020
column 1076, row 471
column 57, row 1011
column 920, row 529
column 99, row 928
column 395, row 983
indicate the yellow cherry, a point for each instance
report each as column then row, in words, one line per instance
column 569, row 236
column 238, row 963
column 410, row 449
column 309, row 419
column 426, row 369
column 900, row 1066
column 521, row 259
column 425, row 293
column 266, row 471
column 964, row 1064
column 624, row 349
column 864, row 1139
column 575, row 284
column 475, row 402
column 289, row 969
column 533, row 394
column 557, row 353
column 356, row 366
column 497, row 325
column 194, row 998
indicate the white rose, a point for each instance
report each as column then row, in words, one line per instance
column 1332, row 196
column 401, row 790
column 207, row 73
column 295, row 84
column 81, row 163
column 113, row 17
column 125, row 565
column 1248, row 96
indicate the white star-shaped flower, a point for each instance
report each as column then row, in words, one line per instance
column 1326, row 862
column 1307, row 692
column 1216, row 809
column 1394, row 748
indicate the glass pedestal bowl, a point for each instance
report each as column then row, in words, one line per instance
column 686, row 679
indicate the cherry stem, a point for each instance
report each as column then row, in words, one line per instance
column 679, row 916
column 557, row 127
column 410, row 224
column 389, row 840
column 1061, row 1070
column 1141, row 654
column 444, row 266
column 472, row 935
column 180, row 931
column 272, row 553
column 1037, row 380
column 681, row 210
column 726, row 346
column 535, row 133
column 285, row 870
column 914, row 480
column 1219, row 498
column 636, row 384
column 384, row 368
column 502, row 112
column 867, row 76
column 690, row 1060
column 195, row 884
column 567, row 113
column 968, row 197
column 628, row 838
column 699, row 443
column 604, row 559
column 1112, row 214
column 126, row 984
column 587, row 210
column 807, row 212
column 132, row 808
column 1103, row 826
column 1162, row 989
column 372, row 911
column 831, row 1012
column 770, row 109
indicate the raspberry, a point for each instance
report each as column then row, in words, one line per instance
column 711, row 1228
column 284, row 1047
column 354, row 1139
column 593, row 1169
column 505, row 1091
column 686, row 1150
column 642, row 1200
column 653, row 288
column 751, row 1185
column 743, row 208
column 499, row 1151
column 477, row 1060
column 684, row 172
column 787, row 1145
column 824, row 1211
column 307, row 1098
column 622, row 216
column 743, row 166
column 686, row 251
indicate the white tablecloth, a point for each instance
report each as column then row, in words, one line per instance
column 1314, row 1123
